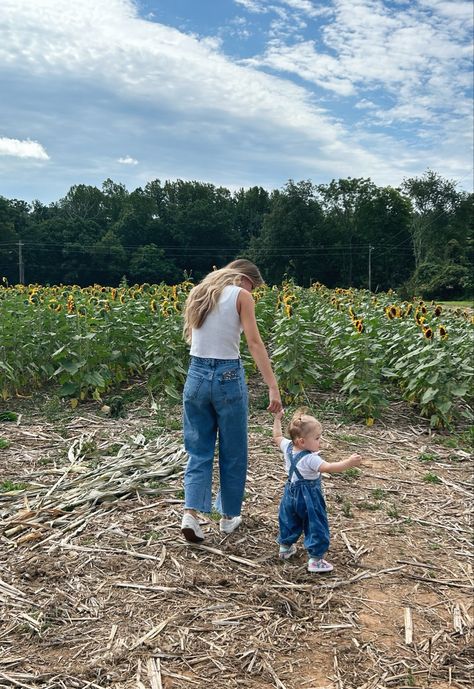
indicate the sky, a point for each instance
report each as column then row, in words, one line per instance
column 236, row 93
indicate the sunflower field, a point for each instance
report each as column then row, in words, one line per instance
column 368, row 348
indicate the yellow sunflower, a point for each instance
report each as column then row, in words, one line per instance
column 443, row 333
column 428, row 333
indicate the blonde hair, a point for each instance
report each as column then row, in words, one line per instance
column 301, row 423
column 203, row 298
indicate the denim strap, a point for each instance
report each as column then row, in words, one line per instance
column 294, row 459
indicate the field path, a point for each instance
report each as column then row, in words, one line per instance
column 108, row 595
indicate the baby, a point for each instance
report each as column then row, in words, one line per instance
column 302, row 507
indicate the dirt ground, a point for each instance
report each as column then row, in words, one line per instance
column 110, row 595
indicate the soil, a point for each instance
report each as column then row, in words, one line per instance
column 119, row 600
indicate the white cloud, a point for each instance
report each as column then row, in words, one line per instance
column 307, row 7
column 193, row 95
column 420, row 58
column 304, row 60
column 109, row 45
column 257, row 6
column 127, row 160
column 22, row 149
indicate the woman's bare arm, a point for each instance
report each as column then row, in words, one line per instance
column 246, row 308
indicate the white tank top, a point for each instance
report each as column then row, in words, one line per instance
column 219, row 335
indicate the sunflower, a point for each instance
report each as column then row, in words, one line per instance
column 71, row 305
column 153, row 305
column 424, row 310
column 443, row 333
column 359, row 325
column 428, row 333
column 394, row 311
column 438, row 310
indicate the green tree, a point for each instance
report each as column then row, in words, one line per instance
column 109, row 259
column 291, row 235
column 148, row 264
column 250, row 207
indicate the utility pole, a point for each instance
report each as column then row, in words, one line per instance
column 371, row 248
column 21, row 267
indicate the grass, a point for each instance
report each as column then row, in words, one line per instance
column 7, row 486
column 347, row 438
column 152, row 536
column 378, row 494
column 8, row 416
column 463, row 304
column 347, row 510
column 392, row 511
column 427, row 457
column 350, row 474
column 456, row 441
column 151, row 433
column 4, row 444
column 431, row 478
column 369, row 506
column 112, row 449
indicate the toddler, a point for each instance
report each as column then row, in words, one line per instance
column 302, row 507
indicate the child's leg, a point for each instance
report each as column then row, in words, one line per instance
column 316, row 526
column 291, row 525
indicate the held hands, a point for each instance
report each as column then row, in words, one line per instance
column 355, row 460
column 275, row 405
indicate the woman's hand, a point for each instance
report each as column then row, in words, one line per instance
column 275, row 404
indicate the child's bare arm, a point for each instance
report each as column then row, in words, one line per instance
column 277, row 432
column 354, row 460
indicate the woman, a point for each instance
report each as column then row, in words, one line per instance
column 215, row 394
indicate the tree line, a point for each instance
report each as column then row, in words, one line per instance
column 350, row 232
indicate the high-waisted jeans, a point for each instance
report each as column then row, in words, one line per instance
column 215, row 404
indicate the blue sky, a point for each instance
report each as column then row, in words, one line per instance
column 233, row 92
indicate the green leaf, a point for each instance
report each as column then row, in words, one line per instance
column 429, row 395
column 459, row 392
column 72, row 366
column 68, row 389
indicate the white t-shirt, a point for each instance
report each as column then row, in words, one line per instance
column 308, row 466
column 219, row 335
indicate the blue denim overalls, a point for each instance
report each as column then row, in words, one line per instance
column 215, row 401
column 302, row 509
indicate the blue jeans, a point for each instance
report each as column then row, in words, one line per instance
column 303, row 509
column 215, row 403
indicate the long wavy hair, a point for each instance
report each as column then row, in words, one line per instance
column 203, row 298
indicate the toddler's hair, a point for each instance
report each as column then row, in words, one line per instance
column 301, row 423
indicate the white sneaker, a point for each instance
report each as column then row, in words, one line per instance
column 319, row 565
column 190, row 529
column 287, row 551
column 229, row 525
